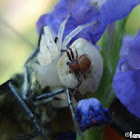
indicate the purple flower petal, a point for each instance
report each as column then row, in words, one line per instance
column 91, row 113
column 126, row 44
column 127, row 86
column 85, row 105
column 119, row 66
column 129, row 54
column 114, row 10
column 111, row 11
column 43, row 20
column 84, row 11
column 81, row 12
column 123, row 65
column 134, row 53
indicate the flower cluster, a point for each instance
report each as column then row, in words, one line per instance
column 91, row 113
column 126, row 82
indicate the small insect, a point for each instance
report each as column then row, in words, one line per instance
column 50, row 69
column 81, row 64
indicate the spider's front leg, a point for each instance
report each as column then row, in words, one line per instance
column 73, row 110
column 76, row 54
column 44, row 98
column 27, row 72
column 61, row 32
column 79, row 82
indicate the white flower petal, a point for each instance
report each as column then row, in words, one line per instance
column 50, row 43
column 93, row 78
column 47, row 75
column 44, row 57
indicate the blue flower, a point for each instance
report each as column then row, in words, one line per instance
column 86, row 11
column 91, row 113
column 126, row 82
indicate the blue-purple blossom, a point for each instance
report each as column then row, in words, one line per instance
column 85, row 11
column 126, row 82
column 91, row 113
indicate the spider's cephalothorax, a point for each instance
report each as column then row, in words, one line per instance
column 81, row 64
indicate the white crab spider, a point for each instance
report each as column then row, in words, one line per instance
column 53, row 70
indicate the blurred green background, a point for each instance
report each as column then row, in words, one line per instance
column 18, row 31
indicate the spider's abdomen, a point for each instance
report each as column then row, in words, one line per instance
column 74, row 66
column 84, row 63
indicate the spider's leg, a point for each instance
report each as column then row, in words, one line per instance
column 67, row 46
column 75, row 32
column 68, row 54
column 70, row 104
column 76, row 125
column 84, row 74
column 61, row 31
column 78, row 84
column 71, row 53
column 27, row 73
column 17, row 94
column 43, row 98
column 63, row 50
column 76, row 54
